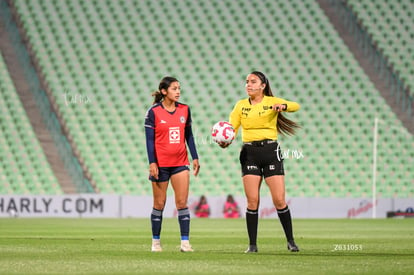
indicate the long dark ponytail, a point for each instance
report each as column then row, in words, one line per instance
column 284, row 125
column 164, row 84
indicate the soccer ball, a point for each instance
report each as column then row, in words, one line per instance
column 222, row 132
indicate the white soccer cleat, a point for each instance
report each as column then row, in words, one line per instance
column 156, row 246
column 186, row 246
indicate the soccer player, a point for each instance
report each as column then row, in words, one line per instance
column 167, row 130
column 260, row 116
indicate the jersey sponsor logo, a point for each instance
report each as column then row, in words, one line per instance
column 182, row 119
column 245, row 111
column 163, row 121
column 174, row 135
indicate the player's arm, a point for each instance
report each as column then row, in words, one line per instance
column 150, row 143
column 149, row 137
column 235, row 120
column 235, row 117
column 189, row 137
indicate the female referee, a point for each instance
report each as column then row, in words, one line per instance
column 167, row 129
column 261, row 120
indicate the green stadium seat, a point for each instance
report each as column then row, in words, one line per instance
column 127, row 51
column 19, row 146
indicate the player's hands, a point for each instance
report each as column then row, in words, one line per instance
column 196, row 167
column 223, row 144
column 153, row 169
column 279, row 107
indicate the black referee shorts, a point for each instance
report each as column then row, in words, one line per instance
column 261, row 158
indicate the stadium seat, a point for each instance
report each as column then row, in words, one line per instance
column 392, row 34
column 25, row 168
column 116, row 53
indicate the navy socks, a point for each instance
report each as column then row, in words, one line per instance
column 184, row 221
column 156, row 222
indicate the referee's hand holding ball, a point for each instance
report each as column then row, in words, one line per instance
column 223, row 144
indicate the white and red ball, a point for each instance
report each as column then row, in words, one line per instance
column 223, row 132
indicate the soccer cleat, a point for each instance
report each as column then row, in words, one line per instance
column 292, row 247
column 186, row 246
column 251, row 249
column 156, row 246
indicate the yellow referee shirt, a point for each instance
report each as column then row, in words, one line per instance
column 258, row 121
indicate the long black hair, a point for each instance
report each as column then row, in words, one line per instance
column 284, row 125
column 165, row 83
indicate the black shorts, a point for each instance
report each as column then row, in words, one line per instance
column 261, row 158
column 165, row 173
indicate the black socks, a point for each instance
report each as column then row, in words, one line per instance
column 286, row 221
column 252, row 219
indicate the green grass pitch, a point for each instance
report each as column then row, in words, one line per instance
column 122, row 246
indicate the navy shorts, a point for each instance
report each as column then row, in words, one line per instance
column 261, row 158
column 165, row 173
